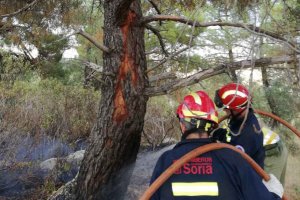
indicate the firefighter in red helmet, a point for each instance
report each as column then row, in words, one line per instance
column 233, row 97
column 221, row 174
column 244, row 134
column 247, row 134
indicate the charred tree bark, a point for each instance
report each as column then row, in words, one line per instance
column 115, row 139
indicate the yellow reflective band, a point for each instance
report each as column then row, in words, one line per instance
column 214, row 118
column 270, row 137
column 196, row 98
column 195, row 189
column 190, row 113
column 234, row 92
column 228, row 137
column 198, row 123
column 207, row 126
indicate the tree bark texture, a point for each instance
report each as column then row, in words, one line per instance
column 115, row 139
column 232, row 73
column 270, row 98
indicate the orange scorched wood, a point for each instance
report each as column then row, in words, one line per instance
column 127, row 67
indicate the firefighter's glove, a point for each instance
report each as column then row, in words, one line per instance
column 273, row 185
column 219, row 134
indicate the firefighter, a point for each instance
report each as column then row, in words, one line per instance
column 220, row 174
column 236, row 102
column 262, row 144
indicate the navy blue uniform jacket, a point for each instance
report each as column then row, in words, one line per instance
column 220, row 174
column 250, row 139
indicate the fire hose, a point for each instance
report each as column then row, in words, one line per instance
column 282, row 121
column 193, row 154
column 288, row 125
column 209, row 147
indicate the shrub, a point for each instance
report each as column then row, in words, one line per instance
column 48, row 107
column 161, row 125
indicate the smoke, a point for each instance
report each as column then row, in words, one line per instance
column 21, row 174
column 20, row 155
column 142, row 172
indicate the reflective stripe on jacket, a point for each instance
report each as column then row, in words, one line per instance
column 270, row 137
column 217, row 175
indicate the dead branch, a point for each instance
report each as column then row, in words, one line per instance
column 248, row 27
column 155, row 6
column 160, row 39
column 7, row 27
column 163, row 76
column 204, row 74
column 20, row 10
column 167, row 58
column 97, row 68
column 94, row 41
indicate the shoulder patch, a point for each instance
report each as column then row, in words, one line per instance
column 240, row 148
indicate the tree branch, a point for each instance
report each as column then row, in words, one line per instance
column 163, row 76
column 172, row 75
column 20, row 10
column 160, row 39
column 166, row 59
column 6, row 28
column 155, row 6
column 195, row 78
column 97, row 68
column 248, row 27
column 94, row 41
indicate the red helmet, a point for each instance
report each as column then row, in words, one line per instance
column 198, row 105
column 233, row 96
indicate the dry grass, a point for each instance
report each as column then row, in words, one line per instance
column 292, row 186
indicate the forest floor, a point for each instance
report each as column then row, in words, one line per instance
column 292, row 179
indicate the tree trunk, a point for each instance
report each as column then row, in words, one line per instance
column 115, row 139
column 1, row 66
column 270, row 99
column 297, row 69
column 232, row 73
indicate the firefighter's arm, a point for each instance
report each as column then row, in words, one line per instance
column 252, row 185
column 273, row 185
